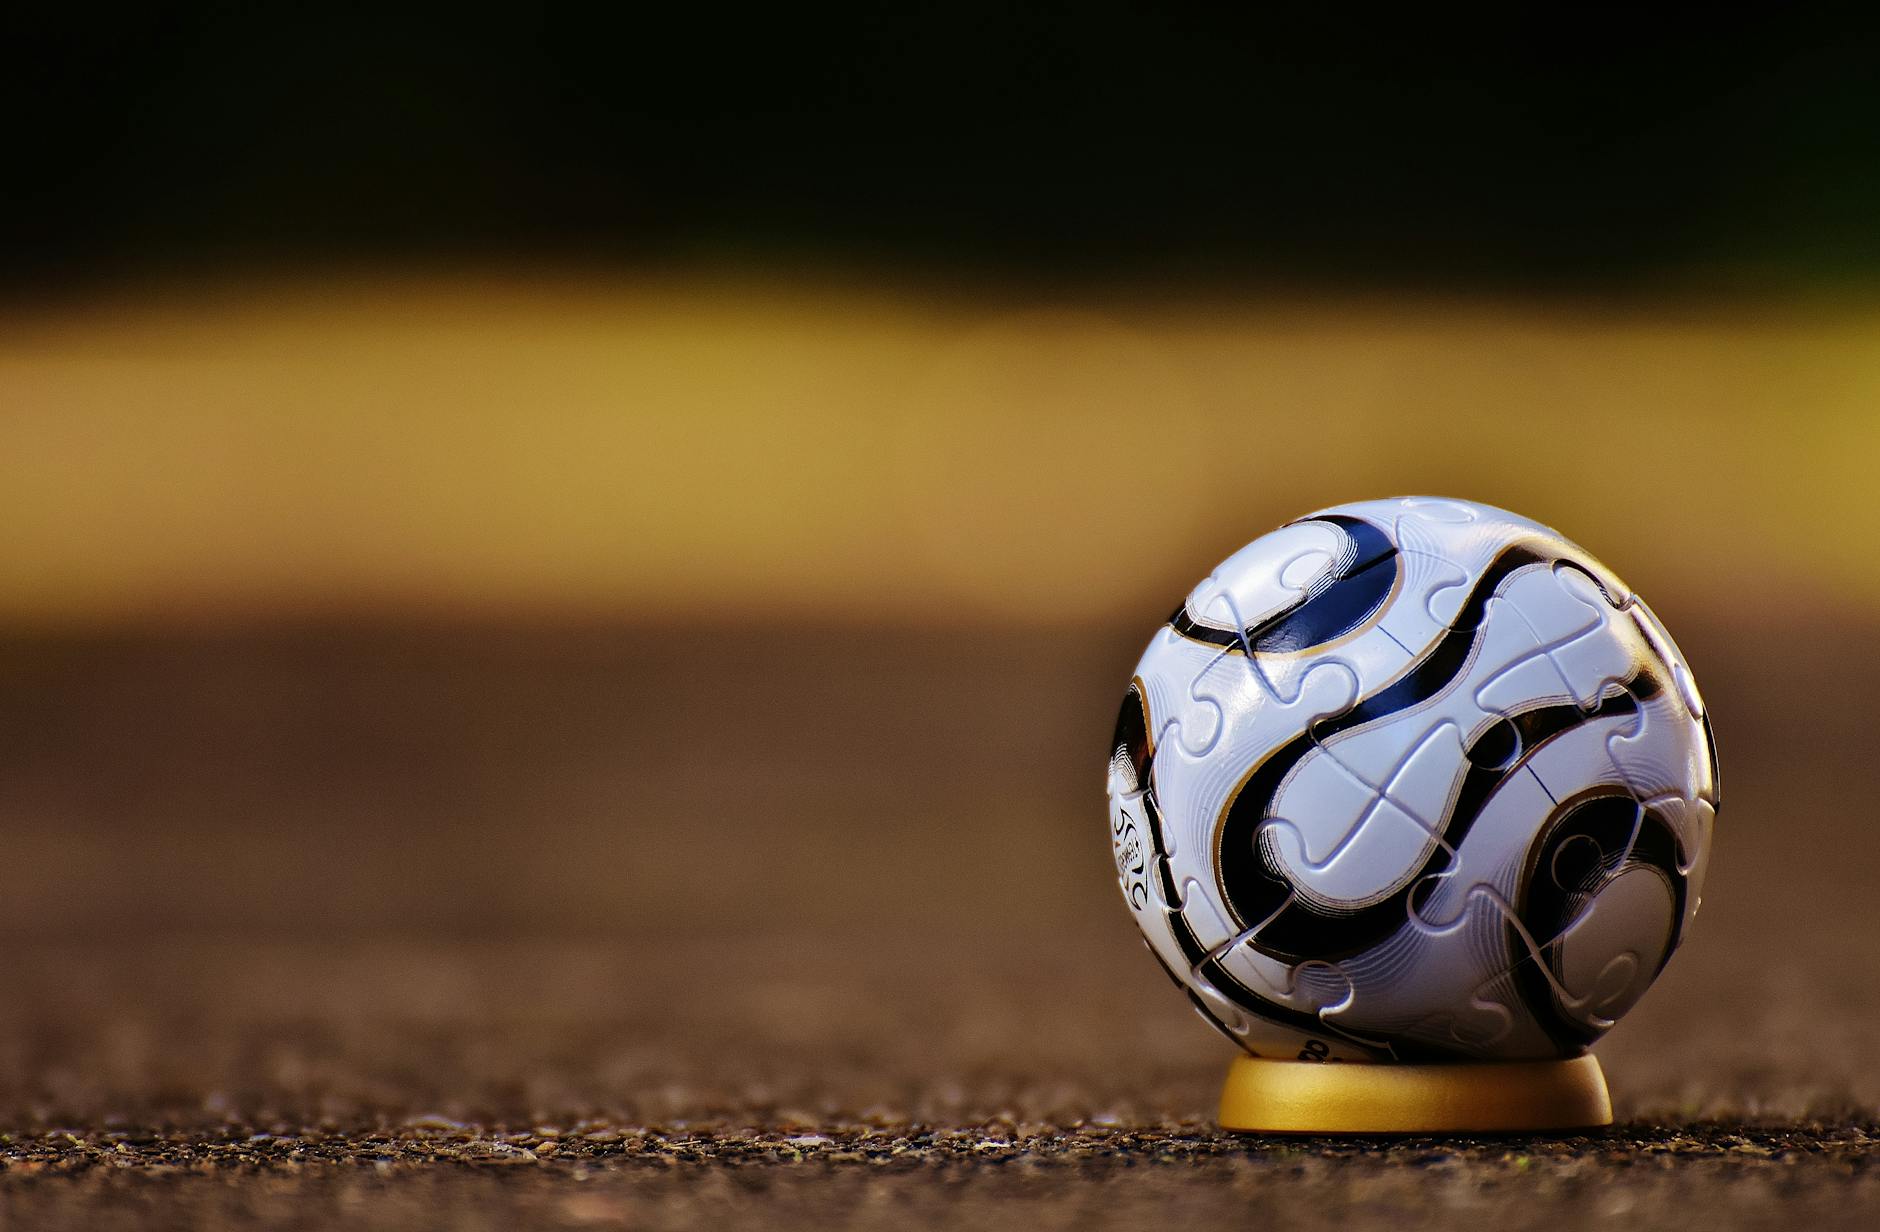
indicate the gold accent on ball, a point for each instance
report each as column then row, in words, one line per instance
column 1265, row 1095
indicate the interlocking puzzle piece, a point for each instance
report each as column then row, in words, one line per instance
column 1554, row 643
column 1659, row 637
column 1568, row 612
column 1309, row 986
column 1439, row 904
column 1598, row 967
column 1442, row 583
column 1320, row 688
column 1302, row 993
column 1693, row 820
column 1470, row 719
column 1213, row 1004
column 1268, row 576
column 1205, row 921
column 1193, row 786
column 1607, row 902
column 1362, row 842
column 1130, row 845
column 1230, row 681
column 1421, row 781
column 1602, row 964
column 1201, row 719
column 1485, row 1023
column 1450, row 962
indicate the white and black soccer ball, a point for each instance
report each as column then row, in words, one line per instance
column 1412, row 779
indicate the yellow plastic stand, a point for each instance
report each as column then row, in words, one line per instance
column 1264, row 1095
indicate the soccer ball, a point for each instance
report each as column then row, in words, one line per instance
column 1412, row 780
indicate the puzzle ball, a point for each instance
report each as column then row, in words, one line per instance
column 1412, row 780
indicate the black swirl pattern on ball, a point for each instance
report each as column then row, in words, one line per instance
column 1253, row 888
column 1352, row 592
column 1587, row 842
column 1297, row 930
column 1257, row 893
column 1132, row 747
column 1339, row 602
column 1206, row 968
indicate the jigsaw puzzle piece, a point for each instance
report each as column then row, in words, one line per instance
column 1232, row 692
column 1607, row 957
column 1493, row 852
column 1219, row 1011
column 1179, row 909
column 1423, row 529
column 1570, row 772
column 1265, row 578
column 1562, row 604
column 1603, row 842
column 1451, row 963
column 1694, row 858
column 1465, row 535
column 1201, row 715
column 1322, row 687
column 1470, row 723
column 1439, row 510
column 1194, row 788
column 1659, row 639
column 1419, row 527
column 1496, row 1010
column 1367, row 833
column 1205, row 935
column 1130, row 848
column 1482, row 1026
column 1306, row 987
column 1603, row 897
column 1300, row 992
column 1591, row 643
column 1240, row 606
column 1551, row 645
column 1205, row 921
column 1471, row 536
column 1416, row 523
column 1442, row 583
column 1463, row 781
column 1675, row 778
column 1494, row 1020
column 1624, row 675
column 1481, row 773
column 1487, row 859
column 1421, row 781
column 1663, row 752
column 1379, row 854
column 1577, row 984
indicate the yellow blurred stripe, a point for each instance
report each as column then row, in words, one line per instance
column 751, row 452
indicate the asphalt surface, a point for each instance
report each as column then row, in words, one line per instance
column 687, row 928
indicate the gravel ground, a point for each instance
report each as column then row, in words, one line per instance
column 467, row 929
column 432, row 1174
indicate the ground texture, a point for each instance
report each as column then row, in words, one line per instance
column 673, row 929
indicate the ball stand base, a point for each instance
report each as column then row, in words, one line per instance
column 1271, row 1096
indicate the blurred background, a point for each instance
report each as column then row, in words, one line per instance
column 571, row 564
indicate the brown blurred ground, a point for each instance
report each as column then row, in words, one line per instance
column 671, row 926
